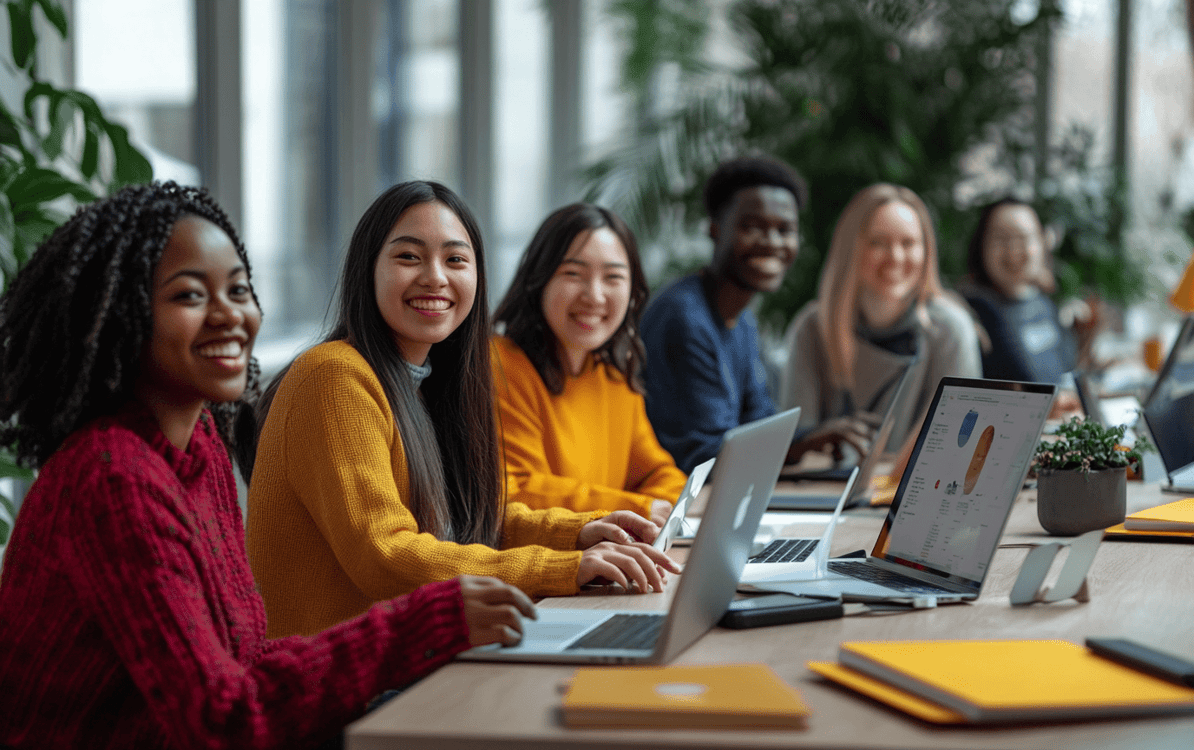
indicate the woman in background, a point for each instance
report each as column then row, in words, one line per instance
column 573, row 419
column 378, row 467
column 130, row 617
column 880, row 310
column 1008, row 263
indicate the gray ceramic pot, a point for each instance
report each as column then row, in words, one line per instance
column 1069, row 503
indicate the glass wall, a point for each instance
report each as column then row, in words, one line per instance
column 137, row 58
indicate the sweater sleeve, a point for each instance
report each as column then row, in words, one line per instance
column 802, row 381
column 652, row 472
column 340, row 439
column 140, row 576
column 522, row 401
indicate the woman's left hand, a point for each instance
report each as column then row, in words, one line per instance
column 621, row 527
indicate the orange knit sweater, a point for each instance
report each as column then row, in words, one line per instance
column 589, row 448
column 329, row 531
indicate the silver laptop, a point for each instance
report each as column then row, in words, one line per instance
column 796, row 558
column 953, row 500
column 748, row 465
column 675, row 525
column 858, row 496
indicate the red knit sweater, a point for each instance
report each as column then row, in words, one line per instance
column 128, row 615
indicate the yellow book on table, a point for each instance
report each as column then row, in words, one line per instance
column 1175, row 516
column 1004, row 681
column 723, row 695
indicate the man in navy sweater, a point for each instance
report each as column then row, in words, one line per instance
column 704, row 373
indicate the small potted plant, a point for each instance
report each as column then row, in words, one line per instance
column 1081, row 471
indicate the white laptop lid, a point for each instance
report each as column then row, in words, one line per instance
column 675, row 521
column 814, row 566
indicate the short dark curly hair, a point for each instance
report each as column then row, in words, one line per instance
column 748, row 172
column 76, row 319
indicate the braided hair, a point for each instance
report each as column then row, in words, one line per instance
column 76, row 319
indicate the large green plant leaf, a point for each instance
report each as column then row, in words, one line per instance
column 23, row 38
column 34, row 187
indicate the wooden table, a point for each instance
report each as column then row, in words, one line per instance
column 1141, row 589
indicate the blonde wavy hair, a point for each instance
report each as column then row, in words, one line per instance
column 837, row 293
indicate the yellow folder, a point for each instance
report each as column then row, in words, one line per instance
column 1002, row 681
column 723, row 695
column 1175, row 516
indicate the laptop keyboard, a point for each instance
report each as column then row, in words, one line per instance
column 623, row 631
column 786, row 551
column 890, row 579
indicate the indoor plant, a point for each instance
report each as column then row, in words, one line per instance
column 57, row 149
column 1081, row 473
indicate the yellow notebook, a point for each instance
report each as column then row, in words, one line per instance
column 723, row 695
column 1175, row 516
column 1124, row 534
column 1012, row 681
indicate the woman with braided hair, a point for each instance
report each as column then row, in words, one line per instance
column 130, row 614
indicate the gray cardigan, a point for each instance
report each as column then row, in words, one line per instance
column 948, row 346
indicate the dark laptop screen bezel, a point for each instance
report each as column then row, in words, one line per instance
column 995, row 385
column 1157, row 411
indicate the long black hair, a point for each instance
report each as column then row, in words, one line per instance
column 450, row 434
column 76, row 319
column 522, row 309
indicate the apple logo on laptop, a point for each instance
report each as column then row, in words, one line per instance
column 743, row 506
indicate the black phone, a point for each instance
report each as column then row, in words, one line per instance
column 1145, row 658
column 779, row 609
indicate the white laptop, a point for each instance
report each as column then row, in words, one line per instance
column 953, row 500
column 748, row 465
column 809, row 501
column 795, row 558
column 674, row 526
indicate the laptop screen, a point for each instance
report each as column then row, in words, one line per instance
column 1169, row 409
column 965, row 472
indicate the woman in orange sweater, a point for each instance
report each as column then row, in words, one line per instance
column 573, row 420
column 378, row 468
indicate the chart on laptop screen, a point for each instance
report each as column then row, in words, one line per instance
column 965, row 477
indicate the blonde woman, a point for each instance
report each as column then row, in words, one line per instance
column 880, row 309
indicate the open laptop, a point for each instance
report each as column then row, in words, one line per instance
column 1108, row 412
column 1169, row 412
column 748, row 465
column 674, row 526
column 954, row 498
column 866, row 469
column 797, row 558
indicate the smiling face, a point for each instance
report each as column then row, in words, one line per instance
column 586, row 299
column 204, row 321
column 891, row 254
column 756, row 238
column 1014, row 249
column 425, row 278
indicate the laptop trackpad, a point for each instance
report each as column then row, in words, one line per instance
column 557, row 627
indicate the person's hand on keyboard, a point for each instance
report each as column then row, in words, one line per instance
column 617, row 549
column 493, row 610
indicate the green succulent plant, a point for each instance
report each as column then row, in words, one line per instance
column 1086, row 445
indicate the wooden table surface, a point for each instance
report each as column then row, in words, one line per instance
column 1143, row 590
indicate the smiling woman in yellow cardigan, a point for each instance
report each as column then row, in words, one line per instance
column 378, row 466
column 574, row 424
